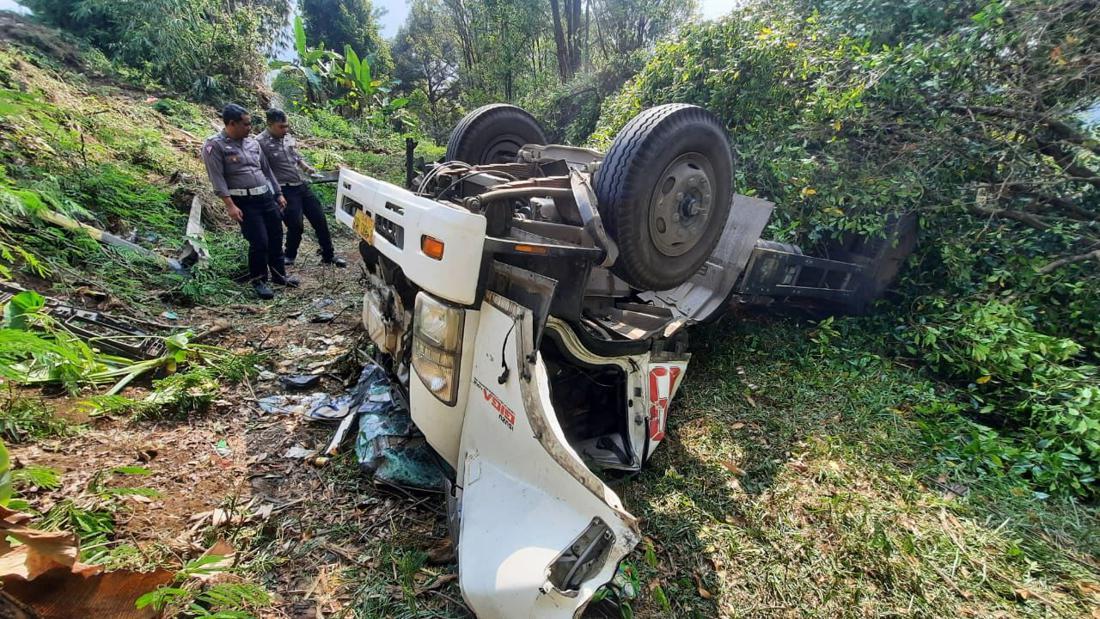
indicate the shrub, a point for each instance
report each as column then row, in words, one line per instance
column 968, row 114
column 191, row 46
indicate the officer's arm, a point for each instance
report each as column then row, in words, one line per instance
column 270, row 176
column 301, row 161
column 213, row 157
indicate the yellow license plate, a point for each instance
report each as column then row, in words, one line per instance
column 364, row 226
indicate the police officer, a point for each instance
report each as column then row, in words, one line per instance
column 241, row 177
column 287, row 164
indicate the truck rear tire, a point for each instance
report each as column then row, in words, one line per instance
column 664, row 192
column 493, row 134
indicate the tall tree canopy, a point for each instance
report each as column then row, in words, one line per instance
column 336, row 23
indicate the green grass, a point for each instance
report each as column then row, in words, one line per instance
column 797, row 479
column 26, row 419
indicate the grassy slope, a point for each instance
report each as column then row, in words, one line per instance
column 800, row 478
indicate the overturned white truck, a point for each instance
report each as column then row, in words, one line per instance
column 533, row 301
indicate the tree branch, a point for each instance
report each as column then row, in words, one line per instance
column 1061, row 262
column 1020, row 216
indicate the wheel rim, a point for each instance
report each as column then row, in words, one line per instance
column 681, row 204
column 504, row 149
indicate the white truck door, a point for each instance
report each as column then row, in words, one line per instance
column 539, row 532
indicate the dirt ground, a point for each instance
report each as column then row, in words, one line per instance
column 304, row 528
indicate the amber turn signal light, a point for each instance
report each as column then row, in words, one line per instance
column 432, row 247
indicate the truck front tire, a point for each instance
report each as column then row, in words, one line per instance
column 493, row 134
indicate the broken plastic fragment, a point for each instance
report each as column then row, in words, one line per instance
column 301, row 381
column 331, row 408
column 298, row 452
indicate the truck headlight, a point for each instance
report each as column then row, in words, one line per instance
column 437, row 345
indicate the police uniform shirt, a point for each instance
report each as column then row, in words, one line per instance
column 283, row 156
column 236, row 164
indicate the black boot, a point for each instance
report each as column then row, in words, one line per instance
column 285, row 280
column 335, row 261
column 263, row 290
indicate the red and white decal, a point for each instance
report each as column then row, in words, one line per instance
column 505, row 414
column 662, row 385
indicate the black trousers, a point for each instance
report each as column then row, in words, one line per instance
column 263, row 228
column 300, row 200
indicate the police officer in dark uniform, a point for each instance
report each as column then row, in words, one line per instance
column 241, row 177
column 287, row 164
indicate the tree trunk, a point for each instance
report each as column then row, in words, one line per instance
column 559, row 41
column 574, row 20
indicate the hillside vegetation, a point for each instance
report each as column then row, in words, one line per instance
column 936, row 457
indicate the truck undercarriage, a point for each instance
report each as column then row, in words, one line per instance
column 534, row 302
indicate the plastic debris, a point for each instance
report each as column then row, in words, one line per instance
column 330, row 408
column 222, row 448
column 280, row 404
column 267, row 375
column 388, row 445
column 169, row 315
column 301, row 381
column 298, row 452
column 323, row 317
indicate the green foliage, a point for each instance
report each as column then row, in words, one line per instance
column 304, row 81
column 37, row 477
column 184, row 113
column 426, row 55
column 5, row 475
column 35, row 349
column 338, row 24
column 1025, row 378
column 25, row 419
column 223, row 600
column 193, row 46
column 571, row 111
column 845, row 113
column 118, row 199
column 92, row 517
column 344, row 82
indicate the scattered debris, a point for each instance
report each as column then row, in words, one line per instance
column 300, row 381
column 323, row 317
column 222, row 448
column 169, row 315
column 267, row 375
column 331, row 408
column 298, row 452
column 111, row 334
column 388, row 446
column 194, row 248
column 280, row 404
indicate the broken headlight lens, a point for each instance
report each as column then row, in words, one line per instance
column 437, row 345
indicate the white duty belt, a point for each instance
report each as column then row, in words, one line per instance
column 254, row 191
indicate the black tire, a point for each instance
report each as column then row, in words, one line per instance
column 664, row 193
column 493, row 134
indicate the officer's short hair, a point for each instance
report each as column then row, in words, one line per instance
column 233, row 112
column 275, row 115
